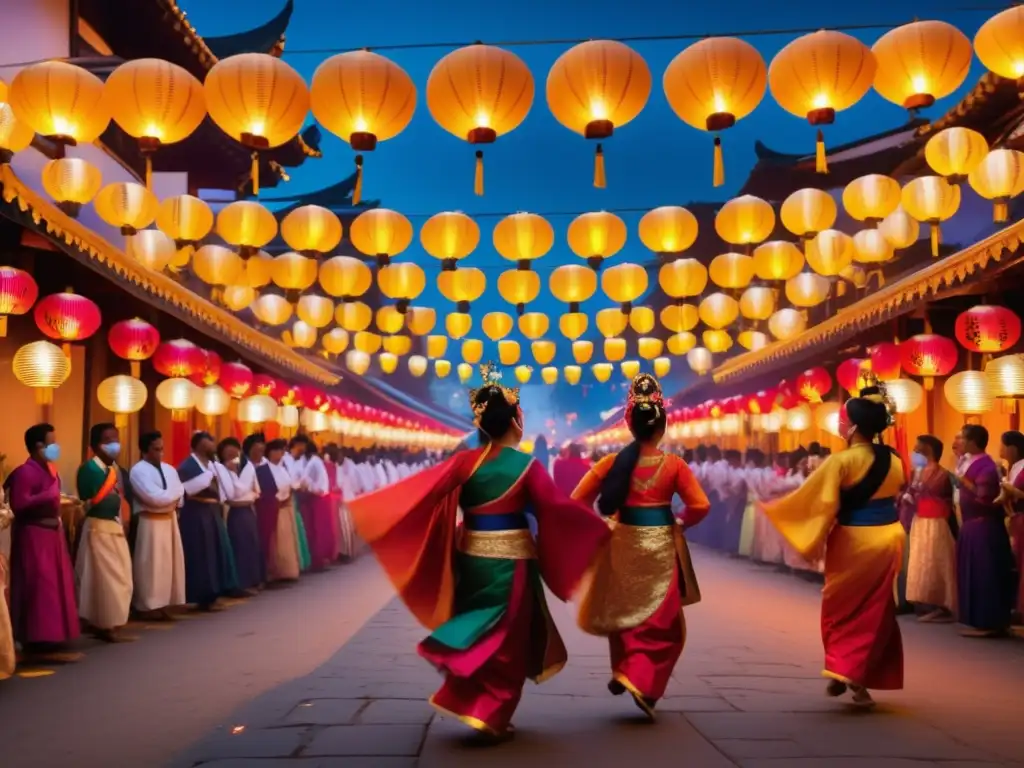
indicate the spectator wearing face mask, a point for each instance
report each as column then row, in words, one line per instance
column 926, row 510
column 104, row 564
column 43, row 610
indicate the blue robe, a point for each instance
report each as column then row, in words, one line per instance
column 200, row 522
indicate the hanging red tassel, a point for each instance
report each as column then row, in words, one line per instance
column 719, row 172
column 357, row 191
column 478, row 178
column 600, row 180
column 255, row 174
column 821, row 161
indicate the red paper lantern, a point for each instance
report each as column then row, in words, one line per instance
column 209, row 373
column 762, row 401
column 848, row 374
column 236, row 379
column 67, row 317
column 988, row 329
column 732, row 405
column 714, row 409
column 813, row 384
column 700, row 412
column 134, row 340
column 18, row 292
column 265, row 385
column 788, row 396
column 885, row 360
column 928, row 355
column 289, row 394
column 313, row 398
column 178, row 359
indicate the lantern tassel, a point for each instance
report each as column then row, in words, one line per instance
column 136, row 369
column 66, row 347
column 357, row 191
column 936, row 240
column 600, row 180
column 719, row 167
column 1000, row 211
column 478, row 177
column 149, row 172
column 3, row 325
column 820, row 160
column 255, row 173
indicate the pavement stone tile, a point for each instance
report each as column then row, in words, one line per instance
column 840, row 762
column 695, row 704
column 760, row 748
column 273, row 762
column 591, row 734
column 253, row 742
column 812, row 701
column 813, row 686
column 365, row 762
column 396, row 712
column 325, row 712
column 367, row 740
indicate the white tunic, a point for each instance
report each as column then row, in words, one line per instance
column 282, row 479
column 314, row 477
column 159, row 561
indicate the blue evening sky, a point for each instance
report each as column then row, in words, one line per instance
column 542, row 166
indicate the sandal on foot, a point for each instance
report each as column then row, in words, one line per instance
column 835, row 688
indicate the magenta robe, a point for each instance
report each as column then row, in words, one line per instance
column 43, row 608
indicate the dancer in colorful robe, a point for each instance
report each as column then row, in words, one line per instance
column 639, row 586
column 199, row 521
column 850, row 500
column 984, row 567
column 103, row 563
column 479, row 589
column 43, row 609
column 159, row 558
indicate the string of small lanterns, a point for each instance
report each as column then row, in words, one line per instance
column 987, row 330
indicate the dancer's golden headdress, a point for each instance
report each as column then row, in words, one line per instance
column 491, row 375
column 645, row 394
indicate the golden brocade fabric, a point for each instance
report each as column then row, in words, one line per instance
column 632, row 577
column 502, row 545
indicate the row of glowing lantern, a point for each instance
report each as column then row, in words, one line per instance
column 480, row 92
column 69, row 317
column 418, row 365
column 984, row 329
column 892, row 213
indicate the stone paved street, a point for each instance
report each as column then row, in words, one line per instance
column 747, row 693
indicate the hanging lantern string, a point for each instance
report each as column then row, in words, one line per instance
column 795, row 31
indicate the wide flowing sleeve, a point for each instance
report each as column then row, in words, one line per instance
column 693, row 496
column 570, row 534
column 589, row 488
column 410, row 526
column 805, row 516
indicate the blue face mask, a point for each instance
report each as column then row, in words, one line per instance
column 919, row 460
column 112, row 450
column 52, row 452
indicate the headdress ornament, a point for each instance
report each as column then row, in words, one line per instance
column 491, row 375
column 645, row 393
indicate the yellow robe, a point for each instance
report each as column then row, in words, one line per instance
column 862, row 562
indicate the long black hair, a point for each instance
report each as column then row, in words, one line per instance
column 646, row 420
column 497, row 415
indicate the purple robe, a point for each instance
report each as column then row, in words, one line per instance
column 984, row 560
column 43, row 608
column 1017, row 539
